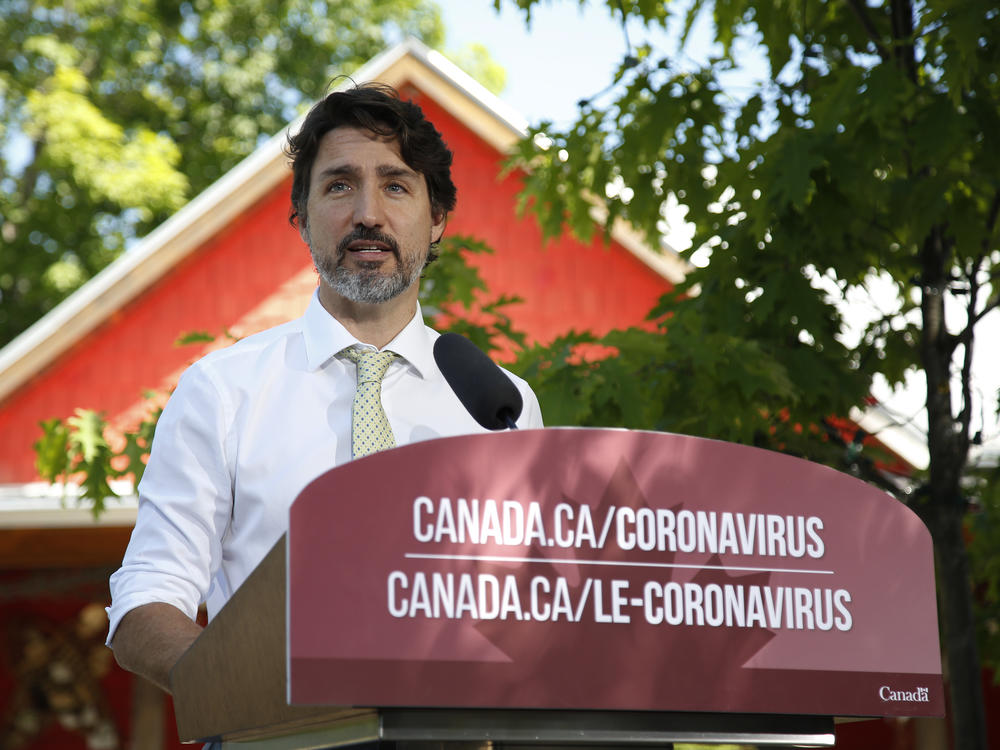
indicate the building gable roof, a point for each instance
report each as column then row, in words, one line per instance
column 252, row 179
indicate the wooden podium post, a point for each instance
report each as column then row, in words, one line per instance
column 231, row 684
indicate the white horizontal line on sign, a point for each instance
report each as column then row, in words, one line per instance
column 623, row 564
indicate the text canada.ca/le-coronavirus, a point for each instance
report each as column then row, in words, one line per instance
column 501, row 532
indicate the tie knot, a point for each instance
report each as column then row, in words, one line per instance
column 371, row 364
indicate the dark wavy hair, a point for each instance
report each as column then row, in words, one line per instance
column 377, row 108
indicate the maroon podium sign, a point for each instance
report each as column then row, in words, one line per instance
column 609, row 569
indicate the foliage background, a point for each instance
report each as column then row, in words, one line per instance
column 114, row 114
column 868, row 157
column 871, row 151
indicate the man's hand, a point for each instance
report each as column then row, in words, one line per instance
column 151, row 638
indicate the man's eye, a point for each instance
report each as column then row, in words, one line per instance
column 395, row 187
column 337, row 187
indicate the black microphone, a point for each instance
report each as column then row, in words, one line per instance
column 482, row 387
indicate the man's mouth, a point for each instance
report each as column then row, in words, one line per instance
column 364, row 248
column 367, row 242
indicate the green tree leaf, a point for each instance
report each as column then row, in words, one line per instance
column 52, row 458
column 114, row 114
column 475, row 59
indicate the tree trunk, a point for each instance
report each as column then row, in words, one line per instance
column 968, row 717
column 943, row 505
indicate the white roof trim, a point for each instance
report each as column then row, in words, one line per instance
column 40, row 505
column 138, row 268
column 667, row 262
column 472, row 89
column 236, row 191
column 903, row 439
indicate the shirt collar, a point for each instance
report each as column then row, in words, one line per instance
column 325, row 336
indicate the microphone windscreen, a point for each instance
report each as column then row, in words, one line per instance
column 482, row 387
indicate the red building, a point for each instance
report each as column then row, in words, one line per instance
column 230, row 261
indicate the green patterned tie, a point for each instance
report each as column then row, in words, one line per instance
column 370, row 429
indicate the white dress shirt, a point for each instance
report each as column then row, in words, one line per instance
column 247, row 428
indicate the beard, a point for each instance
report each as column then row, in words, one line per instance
column 367, row 283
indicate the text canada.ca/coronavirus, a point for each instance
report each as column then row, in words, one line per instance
column 484, row 596
column 564, row 525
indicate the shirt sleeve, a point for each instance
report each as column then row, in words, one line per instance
column 185, row 504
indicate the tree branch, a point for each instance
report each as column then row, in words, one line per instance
column 991, row 221
column 29, row 179
column 889, row 231
column 902, row 37
column 868, row 25
column 992, row 304
column 865, row 468
column 628, row 42
column 967, row 338
column 937, row 349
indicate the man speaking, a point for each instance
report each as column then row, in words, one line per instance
column 251, row 425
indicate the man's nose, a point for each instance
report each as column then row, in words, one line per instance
column 368, row 208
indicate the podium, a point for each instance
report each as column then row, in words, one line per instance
column 572, row 588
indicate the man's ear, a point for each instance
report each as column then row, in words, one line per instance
column 437, row 228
